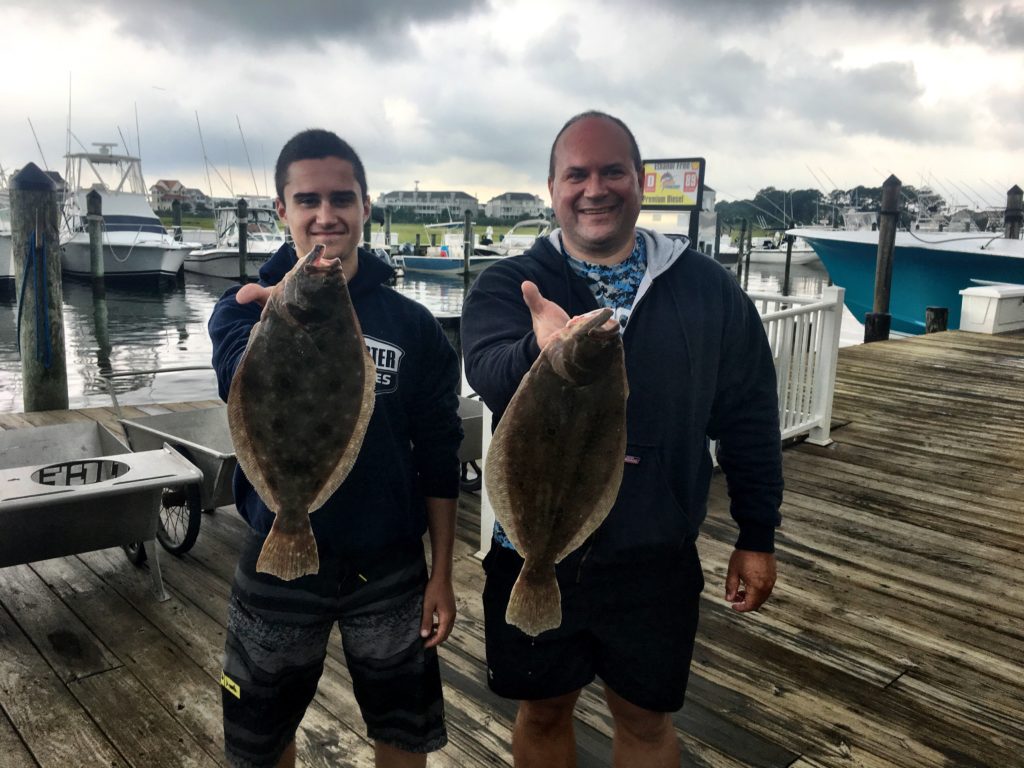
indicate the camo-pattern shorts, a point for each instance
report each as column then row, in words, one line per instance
column 277, row 643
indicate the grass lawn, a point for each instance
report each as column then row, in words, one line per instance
column 406, row 232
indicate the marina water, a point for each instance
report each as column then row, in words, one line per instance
column 146, row 330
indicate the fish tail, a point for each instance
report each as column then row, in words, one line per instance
column 536, row 602
column 289, row 550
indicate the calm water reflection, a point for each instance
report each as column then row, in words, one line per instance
column 142, row 331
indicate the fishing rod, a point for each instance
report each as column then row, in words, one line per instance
column 247, row 158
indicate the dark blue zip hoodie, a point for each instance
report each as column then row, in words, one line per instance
column 411, row 446
column 699, row 366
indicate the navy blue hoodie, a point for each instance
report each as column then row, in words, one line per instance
column 411, row 446
column 698, row 365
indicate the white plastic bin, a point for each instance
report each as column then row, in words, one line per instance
column 992, row 308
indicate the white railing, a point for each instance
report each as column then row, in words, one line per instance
column 803, row 332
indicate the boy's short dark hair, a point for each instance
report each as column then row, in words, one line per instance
column 634, row 148
column 314, row 144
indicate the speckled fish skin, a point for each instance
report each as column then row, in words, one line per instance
column 555, row 461
column 299, row 404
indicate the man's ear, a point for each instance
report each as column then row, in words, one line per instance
column 279, row 205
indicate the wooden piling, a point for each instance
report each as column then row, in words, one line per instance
column 36, row 248
column 387, row 228
column 876, row 329
column 94, row 218
column 746, row 260
column 718, row 238
column 936, row 319
column 243, row 238
column 1014, row 216
column 467, row 242
column 790, row 239
column 739, row 249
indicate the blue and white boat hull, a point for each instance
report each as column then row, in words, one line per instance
column 929, row 269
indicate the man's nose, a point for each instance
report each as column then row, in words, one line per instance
column 595, row 186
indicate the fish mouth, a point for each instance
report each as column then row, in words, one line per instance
column 593, row 324
column 315, row 260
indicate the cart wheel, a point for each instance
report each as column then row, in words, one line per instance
column 180, row 515
column 471, row 477
column 136, row 552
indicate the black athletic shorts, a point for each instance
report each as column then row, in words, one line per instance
column 631, row 625
column 277, row 642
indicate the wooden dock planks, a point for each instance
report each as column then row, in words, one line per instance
column 895, row 637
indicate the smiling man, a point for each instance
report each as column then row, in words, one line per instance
column 699, row 367
column 373, row 580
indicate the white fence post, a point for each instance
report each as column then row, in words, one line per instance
column 828, row 357
column 486, row 510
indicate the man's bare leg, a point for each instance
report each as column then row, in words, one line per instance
column 543, row 736
column 642, row 737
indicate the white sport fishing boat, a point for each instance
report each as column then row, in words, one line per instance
column 136, row 246
column 520, row 238
column 264, row 236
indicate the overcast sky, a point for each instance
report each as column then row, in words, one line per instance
column 468, row 94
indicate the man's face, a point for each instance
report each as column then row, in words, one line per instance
column 323, row 203
column 595, row 191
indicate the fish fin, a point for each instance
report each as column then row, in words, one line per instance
column 289, row 552
column 536, row 601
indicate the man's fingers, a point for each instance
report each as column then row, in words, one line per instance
column 750, row 599
column 732, row 585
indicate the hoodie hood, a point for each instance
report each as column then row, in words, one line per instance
column 662, row 251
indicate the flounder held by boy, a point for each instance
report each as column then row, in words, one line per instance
column 299, row 404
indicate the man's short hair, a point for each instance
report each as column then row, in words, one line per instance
column 315, row 144
column 634, row 148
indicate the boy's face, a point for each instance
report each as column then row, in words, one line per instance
column 323, row 203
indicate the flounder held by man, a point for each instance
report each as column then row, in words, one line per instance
column 299, row 404
column 555, row 461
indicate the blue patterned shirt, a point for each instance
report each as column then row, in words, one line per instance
column 613, row 286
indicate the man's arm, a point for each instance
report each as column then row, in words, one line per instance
column 498, row 341
column 746, row 423
column 439, row 596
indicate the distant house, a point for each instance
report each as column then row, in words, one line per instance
column 430, row 204
column 514, row 205
column 163, row 194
